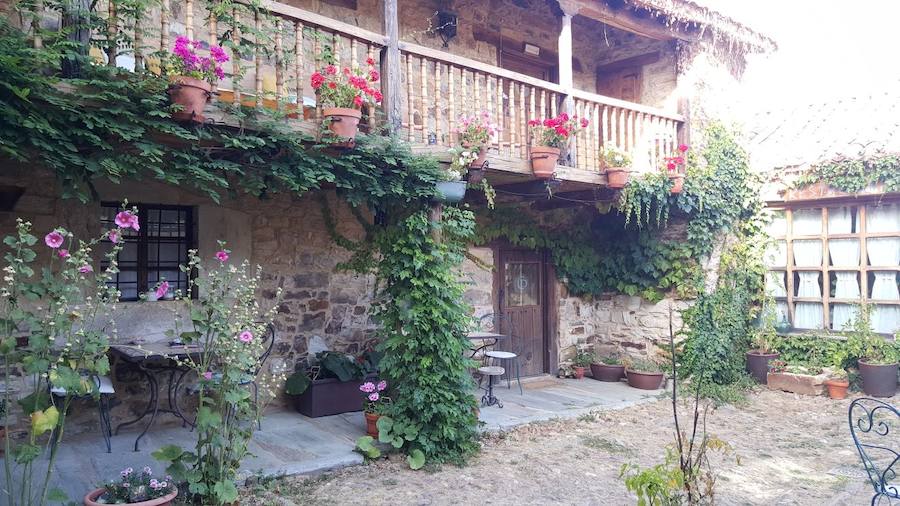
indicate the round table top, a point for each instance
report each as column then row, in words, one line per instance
column 492, row 370
column 500, row 354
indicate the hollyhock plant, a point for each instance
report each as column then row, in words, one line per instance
column 54, row 239
column 555, row 132
column 349, row 88
column 375, row 400
column 127, row 219
column 161, row 290
column 185, row 61
column 246, row 336
column 222, row 256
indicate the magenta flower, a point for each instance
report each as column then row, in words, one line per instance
column 127, row 220
column 382, row 385
column 113, row 236
column 54, row 239
column 218, row 54
column 85, row 269
column 373, row 396
column 63, row 253
column 367, row 387
column 222, row 256
column 162, row 289
column 207, row 375
column 246, row 336
column 147, row 470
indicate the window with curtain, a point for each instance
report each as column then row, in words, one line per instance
column 824, row 261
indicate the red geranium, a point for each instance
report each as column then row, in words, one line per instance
column 555, row 132
column 347, row 87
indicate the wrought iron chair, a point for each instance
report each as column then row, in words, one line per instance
column 510, row 360
column 871, row 421
column 105, row 390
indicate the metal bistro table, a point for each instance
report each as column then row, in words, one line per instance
column 479, row 335
column 154, row 360
column 488, row 398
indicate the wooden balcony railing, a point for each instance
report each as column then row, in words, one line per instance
column 275, row 48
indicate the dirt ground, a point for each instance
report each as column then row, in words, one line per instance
column 791, row 450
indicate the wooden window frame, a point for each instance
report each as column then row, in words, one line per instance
column 144, row 242
column 825, row 269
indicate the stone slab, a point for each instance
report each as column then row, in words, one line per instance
column 803, row 384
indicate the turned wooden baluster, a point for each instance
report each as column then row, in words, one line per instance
column 613, row 126
column 501, row 116
column 597, row 141
column 553, row 104
column 138, row 42
column 410, row 100
column 476, row 86
column 189, row 19
column 336, row 48
column 423, row 73
column 673, row 134
column 279, row 63
column 111, row 34
column 213, row 39
column 317, row 56
column 451, row 112
column 489, row 97
column 257, row 61
column 513, row 125
column 604, row 126
column 523, row 122
column 544, row 103
column 164, row 25
column 438, row 117
column 37, row 39
column 464, row 93
column 298, row 66
column 235, row 57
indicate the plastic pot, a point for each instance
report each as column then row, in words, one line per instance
column 758, row 365
column 543, row 161
column 342, row 121
column 644, row 380
column 607, row 372
column 91, row 499
column 616, row 177
column 878, row 380
column 191, row 94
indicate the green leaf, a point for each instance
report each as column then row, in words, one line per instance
column 44, row 421
column 416, row 459
column 57, row 495
column 297, row 383
column 207, row 418
column 26, row 452
column 366, row 446
column 225, row 491
column 168, row 453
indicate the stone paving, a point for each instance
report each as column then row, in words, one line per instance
column 290, row 443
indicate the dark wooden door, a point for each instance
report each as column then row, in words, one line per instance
column 624, row 84
column 522, row 304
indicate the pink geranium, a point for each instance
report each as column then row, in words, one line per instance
column 63, row 253
column 367, row 387
column 54, row 239
column 126, row 219
column 161, row 290
column 246, row 336
column 113, row 236
column 374, row 396
column 187, row 62
column 382, row 385
column 222, row 256
column 85, row 269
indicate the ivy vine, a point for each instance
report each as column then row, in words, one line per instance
column 853, row 175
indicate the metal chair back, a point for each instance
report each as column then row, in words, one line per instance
column 269, row 344
column 871, row 422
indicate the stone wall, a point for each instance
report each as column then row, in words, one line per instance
column 287, row 236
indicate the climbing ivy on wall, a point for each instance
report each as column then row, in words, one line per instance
column 113, row 125
column 652, row 248
column 852, row 175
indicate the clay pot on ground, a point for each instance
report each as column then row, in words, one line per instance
column 607, row 372
column 644, row 380
column 372, row 424
column 579, row 372
column 192, row 95
column 878, row 380
column 543, row 161
column 616, row 177
column 343, row 122
column 677, row 183
column 837, row 388
column 91, row 499
column 758, row 365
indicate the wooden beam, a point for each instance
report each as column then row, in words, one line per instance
column 390, row 68
column 634, row 61
column 630, row 22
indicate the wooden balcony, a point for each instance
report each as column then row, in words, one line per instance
column 275, row 49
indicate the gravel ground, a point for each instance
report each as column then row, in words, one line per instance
column 791, row 450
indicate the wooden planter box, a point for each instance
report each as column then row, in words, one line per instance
column 803, row 384
column 330, row 396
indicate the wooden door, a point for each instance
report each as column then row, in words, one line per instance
column 522, row 304
column 624, row 84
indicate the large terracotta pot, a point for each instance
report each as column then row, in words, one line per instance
column 372, row 424
column 543, row 161
column 607, row 372
column 616, row 177
column 342, row 121
column 758, row 365
column 644, row 380
column 91, row 499
column 878, row 380
column 677, row 183
column 837, row 388
column 191, row 94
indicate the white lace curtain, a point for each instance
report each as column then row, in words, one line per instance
column 884, row 252
column 844, row 253
column 775, row 285
column 807, row 222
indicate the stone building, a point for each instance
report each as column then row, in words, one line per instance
column 647, row 73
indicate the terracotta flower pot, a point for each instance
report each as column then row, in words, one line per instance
column 616, row 177
column 837, row 389
column 371, row 424
column 91, row 499
column 482, row 156
column 579, row 372
column 543, row 161
column 758, row 365
column 677, row 182
column 878, row 380
column 191, row 94
column 644, row 380
column 607, row 372
column 342, row 121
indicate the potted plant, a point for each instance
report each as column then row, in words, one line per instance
column 548, row 137
column 608, row 369
column 673, row 166
column 644, row 374
column 615, row 163
column 342, row 93
column 799, row 378
column 191, row 76
column 837, row 384
column 373, row 403
column 138, row 488
column 453, row 189
column 763, row 340
column 475, row 133
column 877, row 357
column 582, row 359
column 331, row 385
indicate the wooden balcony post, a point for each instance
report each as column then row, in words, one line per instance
column 566, row 74
column 390, row 69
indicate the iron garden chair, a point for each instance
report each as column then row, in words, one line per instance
column 871, row 421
